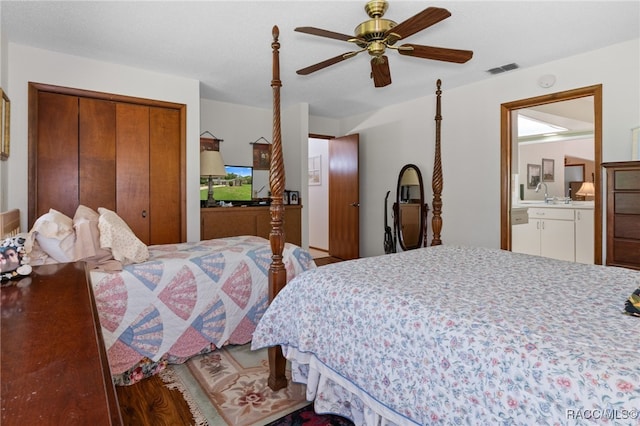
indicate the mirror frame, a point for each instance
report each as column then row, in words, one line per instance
column 506, row 158
column 396, row 211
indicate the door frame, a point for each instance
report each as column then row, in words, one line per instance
column 329, row 140
column 506, row 110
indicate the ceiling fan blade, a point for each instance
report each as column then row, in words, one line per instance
column 326, row 63
column 436, row 53
column 380, row 71
column 420, row 21
column 323, row 33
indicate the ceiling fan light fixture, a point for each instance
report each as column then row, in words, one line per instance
column 377, row 34
column 376, row 8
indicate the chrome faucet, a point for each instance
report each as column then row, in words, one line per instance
column 546, row 190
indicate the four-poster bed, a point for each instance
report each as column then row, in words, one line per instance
column 452, row 335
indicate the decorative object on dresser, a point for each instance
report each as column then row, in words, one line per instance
column 211, row 165
column 623, row 213
column 587, row 189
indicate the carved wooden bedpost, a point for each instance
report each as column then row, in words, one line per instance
column 277, row 271
column 436, row 182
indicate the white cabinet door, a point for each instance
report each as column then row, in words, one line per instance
column 584, row 236
column 525, row 238
column 557, row 239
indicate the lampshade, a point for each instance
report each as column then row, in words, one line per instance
column 211, row 164
column 410, row 178
column 586, row 190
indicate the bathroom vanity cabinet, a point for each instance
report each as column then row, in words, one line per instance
column 557, row 232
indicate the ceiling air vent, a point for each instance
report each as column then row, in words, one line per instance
column 503, row 68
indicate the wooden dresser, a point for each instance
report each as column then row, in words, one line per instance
column 54, row 366
column 220, row 222
column 623, row 214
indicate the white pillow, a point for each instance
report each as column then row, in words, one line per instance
column 55, row 235
column 116, row 235
column 85, row 224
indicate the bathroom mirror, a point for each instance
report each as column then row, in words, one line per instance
column 409, row 210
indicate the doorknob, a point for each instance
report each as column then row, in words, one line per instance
column 144, row 213
column 355, row 204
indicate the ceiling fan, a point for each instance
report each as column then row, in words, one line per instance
column 378, row 34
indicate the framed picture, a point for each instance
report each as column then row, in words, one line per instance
column 261, row 156
column 315, row 173
column 533, row 175
column 548, row 170
column 294, row 197
column 285, row 197
column 5, row 116
column 207, row 144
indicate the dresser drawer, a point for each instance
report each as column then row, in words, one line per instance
column 556, row 214
column 626, row 180
column 626, row 253
column 626, row 226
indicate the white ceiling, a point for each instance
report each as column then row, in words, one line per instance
column 226, row 45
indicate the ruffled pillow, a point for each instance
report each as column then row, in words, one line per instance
column 53, row 231
column 632, row 304
column 85, row 224
column 116, row 235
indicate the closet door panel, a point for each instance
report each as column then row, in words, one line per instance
column 132, row 173
column 165, row 197
column 97, row 147
column 56, row 154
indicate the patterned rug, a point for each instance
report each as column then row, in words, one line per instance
column 229, row 387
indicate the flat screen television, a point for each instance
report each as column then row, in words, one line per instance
column 236, row 186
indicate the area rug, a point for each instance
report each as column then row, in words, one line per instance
column 229, row 387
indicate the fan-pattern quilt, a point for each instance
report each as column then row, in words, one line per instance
column 454, row 335
column 187, row 297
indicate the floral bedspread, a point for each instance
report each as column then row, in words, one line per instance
column 186, row 298
column 453, row 335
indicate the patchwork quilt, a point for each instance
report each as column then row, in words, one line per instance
column 186, row 298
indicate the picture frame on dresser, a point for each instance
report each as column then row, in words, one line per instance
column 294, row 197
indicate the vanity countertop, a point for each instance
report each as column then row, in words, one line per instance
column 525, row 204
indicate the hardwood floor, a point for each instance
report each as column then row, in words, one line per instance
column 151, row 403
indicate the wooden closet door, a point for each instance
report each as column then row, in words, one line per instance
column 165, row 195
column 132, row 173
column 56, row 159
column 97, row 150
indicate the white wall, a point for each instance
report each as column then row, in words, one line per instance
column 405, row 133
column 36, row 65
column 389, row 138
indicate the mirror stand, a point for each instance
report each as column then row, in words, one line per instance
column 410, row 210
